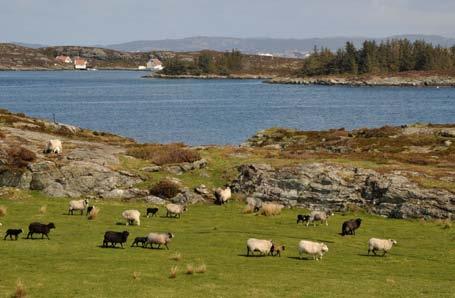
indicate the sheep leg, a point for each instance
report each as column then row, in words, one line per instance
column 82, row 212
column 374, row 251
column 383, row 254
column 165, row 244
column 121, row 244
column 326, row 222
column 47, row 237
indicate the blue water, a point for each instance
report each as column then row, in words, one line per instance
column 215, row 111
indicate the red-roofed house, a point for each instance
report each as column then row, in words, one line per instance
column 80, row 63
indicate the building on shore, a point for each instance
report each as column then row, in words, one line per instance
column 142, row 67
column 80, row 64
column 154, row 64
column 64, row 59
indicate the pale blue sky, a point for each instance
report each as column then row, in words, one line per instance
column 114, row 21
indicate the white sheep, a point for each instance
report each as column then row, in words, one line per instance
column 54, row 146
column 385, row 245
column 133, row 217
column 174, row 210
column 159, row 238
column 264, row 247
column 315, row 249
column 222, row 195
column 77, row 205
column 321, row 216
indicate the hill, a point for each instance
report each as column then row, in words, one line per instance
column 278, row 46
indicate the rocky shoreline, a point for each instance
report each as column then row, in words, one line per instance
column 212, row 77
column 392, row 81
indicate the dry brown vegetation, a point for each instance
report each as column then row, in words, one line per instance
column 20, row 290
column 165, row 189
column 20, row 157
column 164, row 154
column 3, row 211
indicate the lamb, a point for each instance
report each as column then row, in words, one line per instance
column 175, row 210
column 222, row 195
column 316, row 249
column 276, row 250
column 114, row 238
column 141, row 240
column 39, row 228
column 385, row 245
column 303, row 218
column 264, row 247
column 13, row 232
column 133, row 217
column 349, row 226
column 152, row 211
column 159, row 238
column 77, row 205
column 53, row 146
column 321, row 216
column 89, row 209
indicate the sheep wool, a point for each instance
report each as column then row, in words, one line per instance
column 375, row 244
column 262, row 246
column 315, row 249
column 132, row 217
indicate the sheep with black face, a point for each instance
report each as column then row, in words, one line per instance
column 39, row 228
column 115, row 237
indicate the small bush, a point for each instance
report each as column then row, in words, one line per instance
column 173, row 272
column 93, row 213
column 2, row 211
column 189, row 269
column 165, row 189
column 270, row 209
column 164, row 154
column 20, row 290
column 20, row 157
column 136, row 275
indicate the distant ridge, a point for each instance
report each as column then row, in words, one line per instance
column 277, row 46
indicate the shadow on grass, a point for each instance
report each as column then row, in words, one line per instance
column 109, row 246
column 253, row 256
column 302, row 259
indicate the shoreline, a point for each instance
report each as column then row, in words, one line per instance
column 390, row 81
column 211, row 77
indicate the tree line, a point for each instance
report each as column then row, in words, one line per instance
column 205, row 63
column 386, row 57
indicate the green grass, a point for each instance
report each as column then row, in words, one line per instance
column 72, row 263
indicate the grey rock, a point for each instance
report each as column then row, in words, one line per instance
column 187, row 197
column 155, row 200
column 320, row 185
column 151, row 169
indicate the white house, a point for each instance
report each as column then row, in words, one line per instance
column 80, row 64
column 155, row 64
column 64, row 59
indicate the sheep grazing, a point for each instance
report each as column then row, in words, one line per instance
column 141, row 240
column 77, row 205
column 133, row 217
column 13, row 232
column 303, row 218
column 315, row 249
column 53, row 146
column 39, row 228
column 152, row 211
column 276, row 250
column 222, row 195
column 159, row 239
column 264, row 247
column 174, row 210
column 115, row 237
column 321, row 216
column 349, row 226
column 375, row 244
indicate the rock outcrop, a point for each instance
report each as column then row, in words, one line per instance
column 319, row 185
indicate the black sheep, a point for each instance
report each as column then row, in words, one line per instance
column 152, row 211
column 114, row 238
column 303, row 218
column 13, row 232
column 39, row 228
column 349, row 226
column 141, row 240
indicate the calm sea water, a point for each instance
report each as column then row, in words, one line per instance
column 215, row 111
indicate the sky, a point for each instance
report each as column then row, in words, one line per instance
column 101, row 22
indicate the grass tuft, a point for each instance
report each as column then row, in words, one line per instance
column 176, row 256
column 165, row 189
column 270, row 209
column 164, row 154
column 200, row 268
column 189, row 269
column 43, row 209
column 3, row 211
column 173, row 272
column 136, row 275
column 20, row 290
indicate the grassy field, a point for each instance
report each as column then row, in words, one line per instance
column 73, row 264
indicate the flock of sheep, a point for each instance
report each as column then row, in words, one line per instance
column 222, row 195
